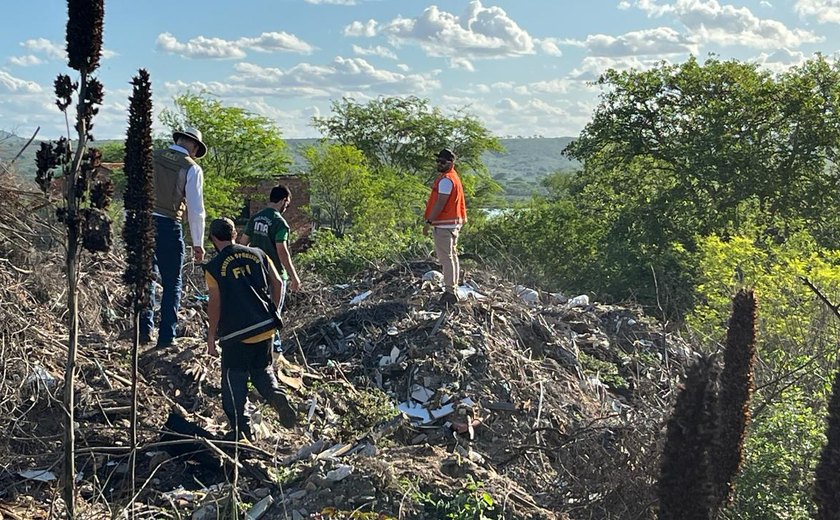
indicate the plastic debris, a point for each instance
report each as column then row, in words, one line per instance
column 578, row 301
column 433, row 276
column 41, row 475
column 360, row 298
column 527, row 295
column 40, row 378
column 465, row 291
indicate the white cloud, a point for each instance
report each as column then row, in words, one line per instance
column 11, row 85
column 825, row 11
column 780, row 60
column 342, row 75
column 591, row 67
column 709, row 21
column 530, row 116
column 661, row 41
column 332, row 2
column 25, row 61
column 276, row 41
column 462, row 63
column 480, row 32
column 202, row 47
column 550, row 46
column 50, row 49
column 367, row 29
column 382, row 52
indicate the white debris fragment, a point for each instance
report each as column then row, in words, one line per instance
column 360, row 298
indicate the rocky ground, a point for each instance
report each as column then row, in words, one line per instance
column 514, row 404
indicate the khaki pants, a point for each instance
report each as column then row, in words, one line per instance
column 446, row 244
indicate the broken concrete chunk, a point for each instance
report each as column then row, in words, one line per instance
column 259, row 509
column 341, row 472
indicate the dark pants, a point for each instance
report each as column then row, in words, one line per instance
column 169, row 257
column 242, row 362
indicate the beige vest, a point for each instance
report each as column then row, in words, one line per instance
column 171, row 168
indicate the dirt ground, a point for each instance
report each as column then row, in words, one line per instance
column 498, row 408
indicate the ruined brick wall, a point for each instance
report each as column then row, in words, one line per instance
column 257, row 197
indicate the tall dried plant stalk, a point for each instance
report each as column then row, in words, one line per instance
column 85, row 198
column 827, row 485
column 685, row 492
column 736, row 389
column 139, row 231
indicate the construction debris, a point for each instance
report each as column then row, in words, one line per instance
column 551, row 405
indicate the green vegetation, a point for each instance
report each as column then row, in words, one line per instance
column 472, row 502
column 244, row 148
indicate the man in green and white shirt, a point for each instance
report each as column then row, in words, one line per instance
column 268, row 230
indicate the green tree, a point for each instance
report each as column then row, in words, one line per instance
column 340, row 183
column 243, row 148
column 682, row 151
column 405, row 134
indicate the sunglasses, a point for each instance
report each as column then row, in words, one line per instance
column 442, row 161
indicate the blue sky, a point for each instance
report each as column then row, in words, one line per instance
column 522, row 66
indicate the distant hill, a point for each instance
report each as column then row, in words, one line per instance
column 10, row 145
column 527, row 161
column 519, row 169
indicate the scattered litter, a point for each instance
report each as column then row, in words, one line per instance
column 465, row 291
column 578, row 301
column 469, row 454
column 527, row 295
column 421, row 394
column 391, row 359
column 393, row 331
column 312, row 407
column 342, row 286
column 41, row 475
column 179, row 493
column 433, row 276
column 334, row 452
column 360, row 298
column 467, row 352
column 558, row 298
column 416, row 411
column 40, row 378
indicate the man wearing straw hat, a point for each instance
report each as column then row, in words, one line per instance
column 179, row 186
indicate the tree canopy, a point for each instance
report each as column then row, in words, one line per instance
column 243, row 148
column 405, row 134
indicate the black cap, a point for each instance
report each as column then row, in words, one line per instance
column 446, row 154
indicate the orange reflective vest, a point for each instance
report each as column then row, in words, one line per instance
column 455, row 210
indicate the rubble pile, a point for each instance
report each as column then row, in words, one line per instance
column 512, row 404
